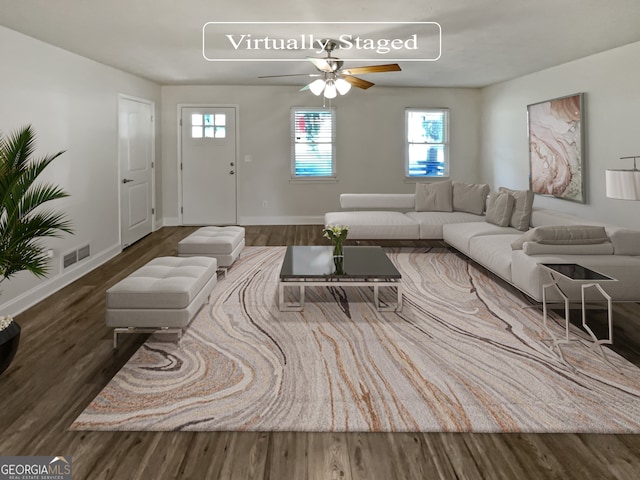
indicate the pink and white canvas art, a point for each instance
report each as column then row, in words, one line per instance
column 555, row 148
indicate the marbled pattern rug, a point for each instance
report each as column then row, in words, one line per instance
column 463, row 356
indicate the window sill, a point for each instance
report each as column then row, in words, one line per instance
column 314, row 180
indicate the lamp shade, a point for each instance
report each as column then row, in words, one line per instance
column 343, row 86
column 623, row 184
column 330, row 89
column 317, row 86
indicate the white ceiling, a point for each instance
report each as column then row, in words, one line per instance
column 483, row 41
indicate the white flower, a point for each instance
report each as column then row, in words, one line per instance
column 5, row 322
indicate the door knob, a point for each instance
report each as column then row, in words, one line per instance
column 232, row 172
column 126, row 180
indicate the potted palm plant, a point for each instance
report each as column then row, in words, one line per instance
column 22, row 222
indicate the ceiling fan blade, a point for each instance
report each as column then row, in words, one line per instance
column 391, row 67
column 321, row 64
column 293, row 75
column 358, row 82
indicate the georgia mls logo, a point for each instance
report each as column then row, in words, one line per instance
column 290, row 41
column 35, row 468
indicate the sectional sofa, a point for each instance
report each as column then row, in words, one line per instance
column 512, row 254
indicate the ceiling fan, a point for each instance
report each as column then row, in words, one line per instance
column 332, row 78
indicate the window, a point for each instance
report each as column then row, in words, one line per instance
column 427, row 150
column 313, row 135
column 208, row 125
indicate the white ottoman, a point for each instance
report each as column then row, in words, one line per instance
column 222, row 243
column 164, row 295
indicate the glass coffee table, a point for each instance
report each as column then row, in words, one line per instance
column 315, row 266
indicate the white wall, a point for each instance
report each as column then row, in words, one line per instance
column 72, row 104
column 370, row 148
column 611, row 82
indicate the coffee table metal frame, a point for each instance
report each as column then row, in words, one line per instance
column 556, row 277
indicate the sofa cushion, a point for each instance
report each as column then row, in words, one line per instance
column 625, row 241
column 470, row 197
column 382, row 225
column 493, row 252
column 535, row 248
column 563, row 235
column 434, row 197
column 458, row 234
column 431, row 223
column 499, row 208
column 522, row 208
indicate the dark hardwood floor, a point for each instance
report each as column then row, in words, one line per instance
column 66, row 358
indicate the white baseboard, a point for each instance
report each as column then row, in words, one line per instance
column 38, row 293
column 284, row 220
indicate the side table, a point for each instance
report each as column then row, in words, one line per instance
column 587, row 278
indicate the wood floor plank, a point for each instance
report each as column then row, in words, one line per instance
column 205, row 455
column 366, row 463
column 65, row 358
column 246, row 456
column 407, row 453
column 288, row 456
column 451, row 456
column 329, row 457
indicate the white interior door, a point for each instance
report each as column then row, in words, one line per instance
column 208, row 165
column 135, row 151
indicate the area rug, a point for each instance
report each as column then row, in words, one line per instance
column 464, row 355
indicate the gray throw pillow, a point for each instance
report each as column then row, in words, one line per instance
column 470, row 197
column 521, row 215
column 563, row 235
column 434, row 197
column 499, row 208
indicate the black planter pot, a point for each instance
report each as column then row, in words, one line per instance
column 9, row 340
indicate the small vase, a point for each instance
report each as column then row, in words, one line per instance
column 9, row 340
column 337, row 250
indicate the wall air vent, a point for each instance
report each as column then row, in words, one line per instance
column 84, row 252
column 76, row 256
column 69, row 259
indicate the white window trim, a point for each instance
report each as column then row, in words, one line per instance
column 312, row 179
column 445, row 143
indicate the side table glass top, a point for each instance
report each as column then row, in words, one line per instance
column 576, row 272
column 317, row 262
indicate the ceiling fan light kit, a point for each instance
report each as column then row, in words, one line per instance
column 333, row 79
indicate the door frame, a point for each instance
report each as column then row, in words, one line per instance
column 236, row 107
column 152, row 104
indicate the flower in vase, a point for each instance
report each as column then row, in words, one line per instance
column 337, row 234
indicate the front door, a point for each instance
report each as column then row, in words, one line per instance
column 135, row 153
column 208, row 165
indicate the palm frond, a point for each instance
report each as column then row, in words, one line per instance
column 22, row 219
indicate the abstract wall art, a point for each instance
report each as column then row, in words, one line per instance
column 556, row 147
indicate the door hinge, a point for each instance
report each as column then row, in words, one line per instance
column 153, row 164
column 151, row 118
column 181, row 210
column 153, row 211
column 181, row 166
column 180, row 122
